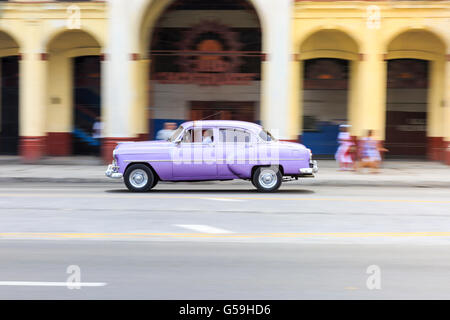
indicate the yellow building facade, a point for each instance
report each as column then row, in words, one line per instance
column 368, row 35
column 298, row 40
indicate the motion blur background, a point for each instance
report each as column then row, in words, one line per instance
column 300, row 68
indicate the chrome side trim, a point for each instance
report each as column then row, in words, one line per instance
column 221, row 160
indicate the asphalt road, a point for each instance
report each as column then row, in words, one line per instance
column 223, row 241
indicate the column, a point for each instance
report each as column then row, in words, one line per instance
column 275, row 17
column 435, row 125
column 60, row 108
column 446, row 117
column 369, row 103
column 140, row 69
column 353, row 96
column 117, row 86
column 295, row 128
column 32, row 96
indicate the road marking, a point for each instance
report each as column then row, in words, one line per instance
column 56, row 235
column 155, row 197
column 203, row 228
column 52, row 284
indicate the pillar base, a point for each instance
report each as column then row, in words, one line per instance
column 59, row 143
column 435, row 148
column 446, row 156
column 108, row 145
column 143, row 137
column 32, row 149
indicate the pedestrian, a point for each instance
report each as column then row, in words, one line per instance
column 97, row 128
column 166, row 132
column 346, row 147
column 370, row 153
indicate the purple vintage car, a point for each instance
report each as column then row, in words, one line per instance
column 212, row 150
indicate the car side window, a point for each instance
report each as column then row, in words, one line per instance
column 198, row 135
column 234, row 136
column 187, row 138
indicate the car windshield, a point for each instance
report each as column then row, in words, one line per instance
column 266, row 136
column 175, row 134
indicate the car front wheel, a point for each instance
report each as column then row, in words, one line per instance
column 139, row 178
column 267, row 179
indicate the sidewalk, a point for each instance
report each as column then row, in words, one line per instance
column 91, row 170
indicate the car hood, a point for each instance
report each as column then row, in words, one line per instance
column 290, row 145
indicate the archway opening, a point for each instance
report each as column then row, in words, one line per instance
column 205, row 63
column 325, row 86
column 74, row 118
column 327, row 56
column 414, row 123
column 9, row 95
column 406, row 108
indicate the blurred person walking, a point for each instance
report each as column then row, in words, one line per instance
column 97, row 128
column 370, row 153
column 166, row 132
column 346, row 147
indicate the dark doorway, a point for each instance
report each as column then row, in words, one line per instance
column 9, row 130
column 406, row 108
column 87, row 104
column 325, row 92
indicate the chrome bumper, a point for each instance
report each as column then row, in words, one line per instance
column 313, row 168
column 313, row 164
column 113, row 172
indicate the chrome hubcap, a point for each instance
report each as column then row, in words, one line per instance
column 138, row 178
column 267, row 179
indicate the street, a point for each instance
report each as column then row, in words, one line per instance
column 223, row 241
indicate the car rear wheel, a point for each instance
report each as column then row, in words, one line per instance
column 267, row 179
column 139, row 178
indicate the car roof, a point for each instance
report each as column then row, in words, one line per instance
column 223, row 123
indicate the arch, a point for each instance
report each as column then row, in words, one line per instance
column 329, row 43
column 9, row 92
column 420, row 46
column 157, row 20
column 9, row 46
column 327, row 54
column 415, row 43
column 152, row 11
column 58, row 35
column 68, row 51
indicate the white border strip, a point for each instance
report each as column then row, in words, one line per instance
column 52, row 284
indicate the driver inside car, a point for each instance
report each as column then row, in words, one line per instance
column 207, row 136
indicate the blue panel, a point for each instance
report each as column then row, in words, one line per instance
column 323, row 141
column 158, row 124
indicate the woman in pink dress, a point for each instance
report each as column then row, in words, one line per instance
column 344, row 152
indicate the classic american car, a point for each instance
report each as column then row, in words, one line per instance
column 212, row 150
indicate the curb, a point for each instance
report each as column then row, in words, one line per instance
column 306, row 182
